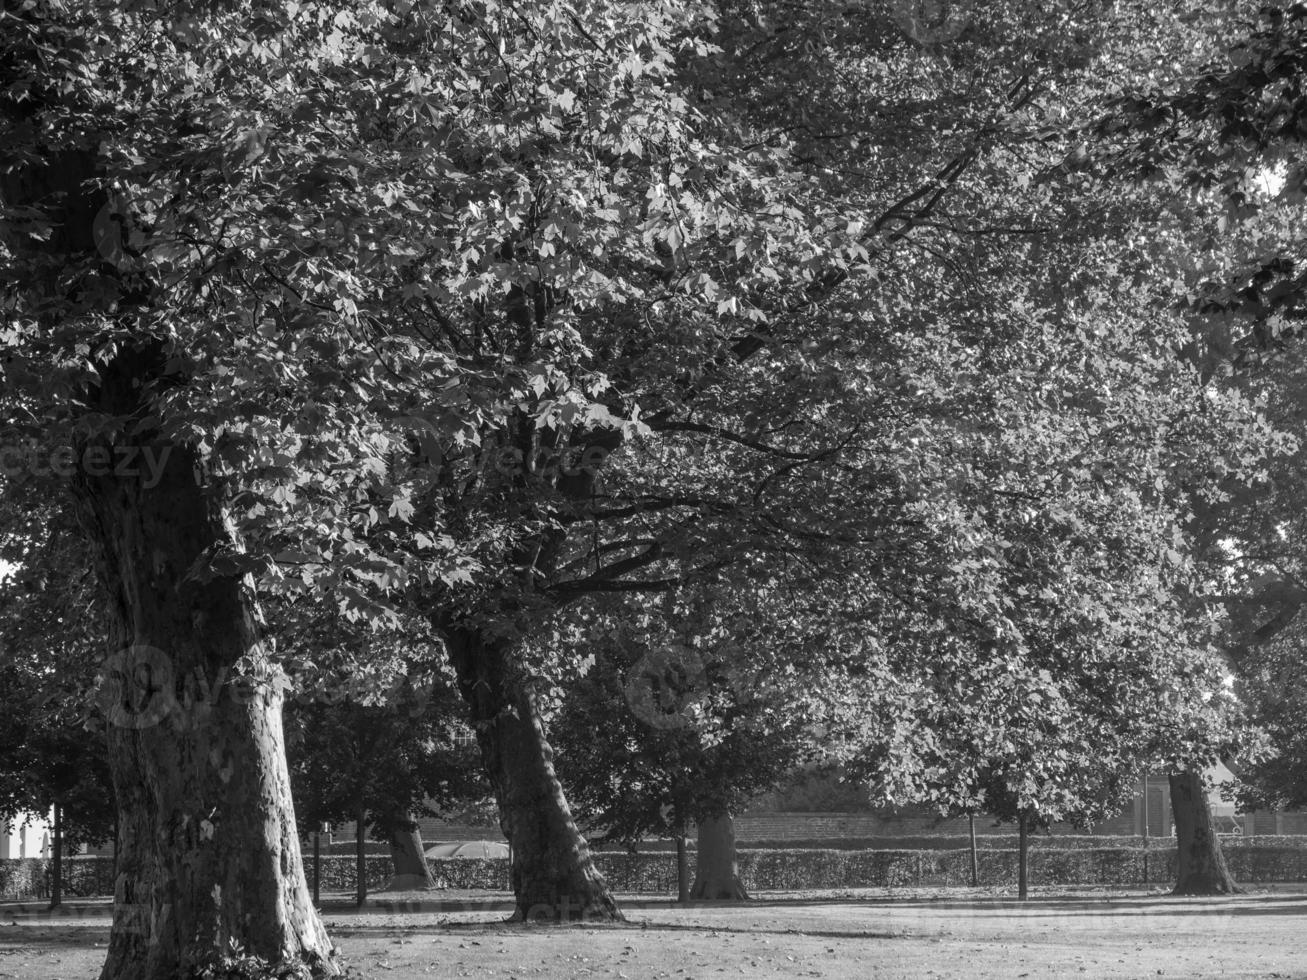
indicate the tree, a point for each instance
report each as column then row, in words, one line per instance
column 1218, row 139
column 373, row 738
column 95, row 346
column 49, row 763
column 1269, row 679
column 715, row 300
column 1069, row 491
column 681, row 720
column 346, row 242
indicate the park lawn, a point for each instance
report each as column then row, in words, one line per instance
column 833, row 936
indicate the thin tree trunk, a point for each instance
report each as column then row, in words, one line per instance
column 1200, row 869
column 57, row 859
column 553, row 876
column 717, row 872
column 682, row 869
column 360, row 856
column 209, row 856
column 408, row 855
column 975, row 862
column 1023, row 857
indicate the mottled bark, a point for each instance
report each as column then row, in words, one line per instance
column 1200, row 869
column 717, row 871
column 553, row 876
column 208, row 851
column 409, row 858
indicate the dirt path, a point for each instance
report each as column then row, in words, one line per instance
column 1258, row 935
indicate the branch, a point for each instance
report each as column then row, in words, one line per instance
column 721, row 433
column 649, row 505
column 932, row 192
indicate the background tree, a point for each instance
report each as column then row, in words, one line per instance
column 677, row 722
column 50, row 763
column 375, row 737
column 638, row 255
column 758, row 303
column 1222, row 139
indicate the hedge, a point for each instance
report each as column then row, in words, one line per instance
column 24, row 878
column 769, row 869
column 984, row 842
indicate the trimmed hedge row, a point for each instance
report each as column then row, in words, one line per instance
column 24, row 878
column 986, row 842
column 338, row 872
column 760, row 869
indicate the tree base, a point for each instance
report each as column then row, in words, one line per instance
column 719, row 890
column 1203, row 884
column 600, row 908
column 222, row 964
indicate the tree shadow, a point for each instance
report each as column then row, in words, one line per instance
column 80, row 908
column 1053, row 904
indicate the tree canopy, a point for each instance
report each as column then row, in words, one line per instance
column 848, row 333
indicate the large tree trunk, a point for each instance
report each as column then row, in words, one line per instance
column 1201, row 867
column 717, row 872
column 408, row 855
column 553, row 876
column 209, row 855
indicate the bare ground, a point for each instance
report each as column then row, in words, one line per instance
column 867, row 933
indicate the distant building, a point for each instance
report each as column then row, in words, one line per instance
column 25, row 838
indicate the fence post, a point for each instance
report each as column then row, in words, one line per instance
column 57, row 854
column 975, row 865
column 317, row 867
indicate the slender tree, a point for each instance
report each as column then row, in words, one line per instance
column 682, row 719
column 1224, row 142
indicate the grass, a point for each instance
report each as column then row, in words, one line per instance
column 869, row 933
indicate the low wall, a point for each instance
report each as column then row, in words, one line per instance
column 1262, row 860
